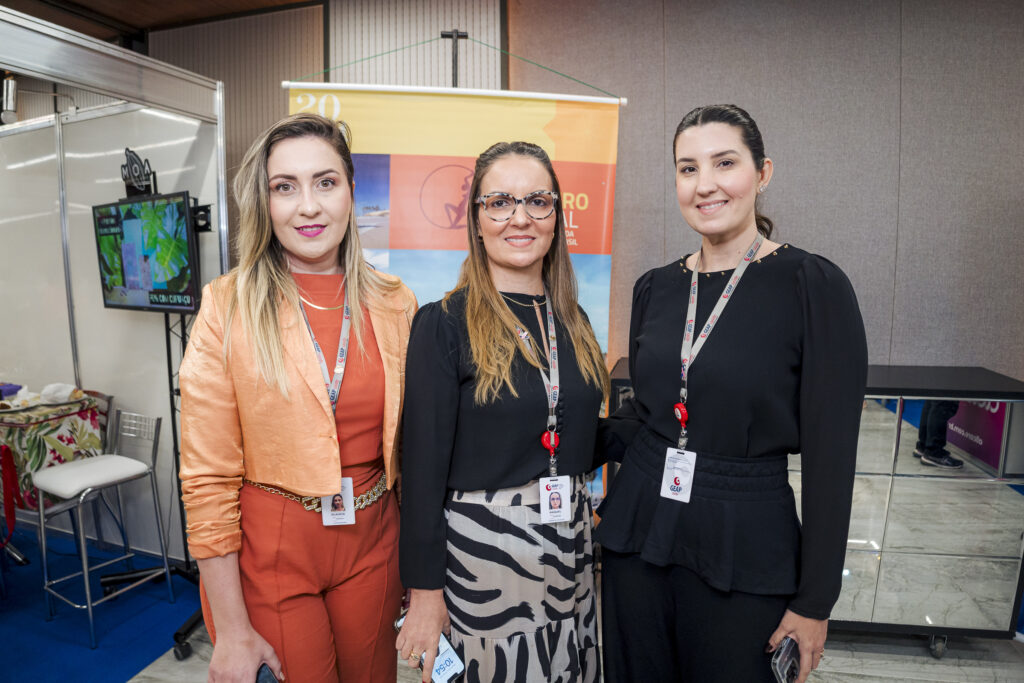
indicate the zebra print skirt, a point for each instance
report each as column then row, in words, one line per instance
column 520, row 593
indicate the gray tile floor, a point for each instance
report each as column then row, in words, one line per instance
column 167, row 669
column 849, row 658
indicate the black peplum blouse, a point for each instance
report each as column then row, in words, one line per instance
column 449, row 443
column 783, row 371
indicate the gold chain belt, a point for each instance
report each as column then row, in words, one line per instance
column 361, row 502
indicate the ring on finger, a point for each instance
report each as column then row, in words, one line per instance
column 414, row 657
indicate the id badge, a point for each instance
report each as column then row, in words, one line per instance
column 677, row 479
column 339, row 508
column 555, row 496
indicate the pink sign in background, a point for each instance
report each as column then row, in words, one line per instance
column 977, row 428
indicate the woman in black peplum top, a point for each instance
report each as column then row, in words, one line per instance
column 706, row 566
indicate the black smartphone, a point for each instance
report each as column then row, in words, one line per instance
column 265, row 675
column 786, row 661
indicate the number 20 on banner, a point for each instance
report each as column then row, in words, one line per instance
column 326, row 105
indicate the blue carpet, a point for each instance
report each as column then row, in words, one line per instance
column 132, row 630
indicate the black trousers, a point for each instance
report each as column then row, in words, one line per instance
column 664, row 624
column 931, row 434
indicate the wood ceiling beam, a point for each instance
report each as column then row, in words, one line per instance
column 93, row 16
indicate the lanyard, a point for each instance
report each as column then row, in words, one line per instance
column 550, row 437
column 333, row 384
column 690, row 348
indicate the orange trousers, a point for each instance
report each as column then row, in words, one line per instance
column 325, row 597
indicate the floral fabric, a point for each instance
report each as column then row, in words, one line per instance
column 45, row 435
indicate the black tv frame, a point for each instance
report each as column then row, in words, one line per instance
column 193, row 252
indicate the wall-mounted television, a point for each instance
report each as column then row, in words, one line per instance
column 148, row 254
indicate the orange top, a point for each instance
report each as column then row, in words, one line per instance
column 235, row 426
column 360, row 412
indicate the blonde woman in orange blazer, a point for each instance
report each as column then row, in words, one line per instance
column 291, row 393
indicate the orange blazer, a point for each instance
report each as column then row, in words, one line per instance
column 234, row 425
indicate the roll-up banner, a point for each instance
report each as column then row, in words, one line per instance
column 414, row 150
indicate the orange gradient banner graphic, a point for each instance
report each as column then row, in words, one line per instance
column 414, row 154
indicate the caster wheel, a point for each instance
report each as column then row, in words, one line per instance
column 938, row 646
column 182, row 650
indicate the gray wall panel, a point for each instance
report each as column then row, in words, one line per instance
column 361, row 28
column 31, row 105
column 959, row 298
column 822, row 81
column 592, row 49
column 252, row 55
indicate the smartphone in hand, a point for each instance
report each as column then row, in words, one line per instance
column 265, row 675
column 447, row 665
column 786, row 661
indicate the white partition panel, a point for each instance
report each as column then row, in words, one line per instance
column 35, row 349
column 124, row 352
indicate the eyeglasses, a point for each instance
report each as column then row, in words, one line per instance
column 501, row 206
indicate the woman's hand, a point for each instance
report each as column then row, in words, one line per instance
column 237, row 658
column 239, row 649
column 427, row 617
column 809, row 635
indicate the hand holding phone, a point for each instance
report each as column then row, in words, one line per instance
column 786, row 661
column 265, row 675
column 447, row 665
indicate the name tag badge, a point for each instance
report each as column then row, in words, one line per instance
column 555, row 497
column 677, row 479
column 339, row 509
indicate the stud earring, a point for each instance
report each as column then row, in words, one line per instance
column 760, row 189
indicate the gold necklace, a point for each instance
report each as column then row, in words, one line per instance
column 532, row 304
column 320, row 308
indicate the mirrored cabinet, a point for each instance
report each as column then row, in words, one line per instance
column 937, row 523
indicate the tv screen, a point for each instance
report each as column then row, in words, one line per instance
column 148, row 254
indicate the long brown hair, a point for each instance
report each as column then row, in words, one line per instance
column 261, row 279
column 491, row 325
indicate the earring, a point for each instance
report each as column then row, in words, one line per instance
column 760, row 189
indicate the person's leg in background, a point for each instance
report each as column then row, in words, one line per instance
column 638, row 621
column 935, row 452
column 922, row 428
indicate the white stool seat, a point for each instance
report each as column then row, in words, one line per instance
column 69, row 479
column 77, row 483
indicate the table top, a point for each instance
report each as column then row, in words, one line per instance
column 931, row 381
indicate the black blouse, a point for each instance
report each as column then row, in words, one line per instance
column 783, row 371
column 449, row 443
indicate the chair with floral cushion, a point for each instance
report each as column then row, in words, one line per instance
column 79, row 481
column 104, row 408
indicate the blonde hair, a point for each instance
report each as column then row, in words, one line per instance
column 491, row 325
column 261, row 280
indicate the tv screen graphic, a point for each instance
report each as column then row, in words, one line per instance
column 148, row 254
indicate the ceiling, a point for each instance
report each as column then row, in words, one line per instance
column 126, row 21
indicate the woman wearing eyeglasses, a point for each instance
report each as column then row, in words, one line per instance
column 504, row 381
